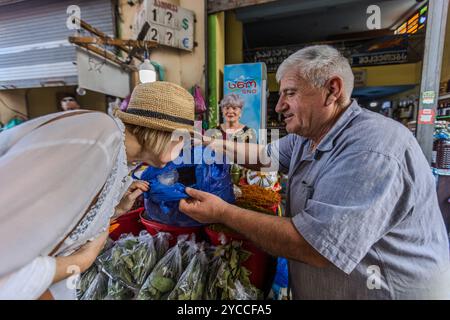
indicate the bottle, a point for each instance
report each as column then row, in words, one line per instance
column 443, row 154
column 434, row 154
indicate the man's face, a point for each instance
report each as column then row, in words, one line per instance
column 300, row 104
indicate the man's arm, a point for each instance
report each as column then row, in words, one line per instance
column 249, row 155
column 276, row 235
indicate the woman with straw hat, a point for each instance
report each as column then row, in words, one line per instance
column 54, row 219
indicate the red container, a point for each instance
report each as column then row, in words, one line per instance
column 130, row 222
column 274, row 208
column 258, row 263
column 154, row 227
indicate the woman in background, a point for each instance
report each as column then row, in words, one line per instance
column 68, row 102
column 231, row 106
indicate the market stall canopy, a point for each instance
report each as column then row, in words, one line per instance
column 290, row 21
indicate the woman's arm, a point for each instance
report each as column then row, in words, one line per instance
column 81, row 260
column 78, row 262
column 33, row 280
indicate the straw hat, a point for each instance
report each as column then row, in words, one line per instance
column 160, row 105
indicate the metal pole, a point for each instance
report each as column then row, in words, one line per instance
column 431, row 73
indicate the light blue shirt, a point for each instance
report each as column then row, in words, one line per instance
column 365, row 200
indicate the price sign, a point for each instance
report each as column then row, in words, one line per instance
column 426, row 116
column 170, row 25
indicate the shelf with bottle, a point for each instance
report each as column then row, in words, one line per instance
column 443, row 109
column 441, row 148
column 276, row 123
column 405, row 109
column 444, row 96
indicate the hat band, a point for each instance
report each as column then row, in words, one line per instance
column 159, row 116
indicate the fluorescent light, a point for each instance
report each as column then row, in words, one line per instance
column 147, row 72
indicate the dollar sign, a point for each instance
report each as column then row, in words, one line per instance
column 185, row 23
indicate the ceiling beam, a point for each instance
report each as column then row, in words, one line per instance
column 371, row 34
column 289, row 8
column 224, row 5
column 7, row 2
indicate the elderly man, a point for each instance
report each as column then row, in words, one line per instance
column 363, row 220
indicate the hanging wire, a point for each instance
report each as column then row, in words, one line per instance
column 146, row 55
column 105, row 58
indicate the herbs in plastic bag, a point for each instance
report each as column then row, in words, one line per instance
column 188, row 248
column 164, row 276
column 161, row 241
column 228, row 274
column 193, row 280
column 131, row 259
column 244, row 293
column 98, row 288
column 144, row 257
column 118, row 291
column 211, row 289
column 86, row 280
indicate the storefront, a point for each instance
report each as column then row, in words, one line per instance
column 37, row 62
column 217, row 50
column 37, row 50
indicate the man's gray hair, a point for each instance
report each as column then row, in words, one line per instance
column 232, row 99
column 317, row 64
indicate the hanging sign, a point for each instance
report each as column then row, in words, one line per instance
column 100, row 75
column 170, row 25
column 426, row 116
column 360, row 78
column 381, row 58
column 428, row 97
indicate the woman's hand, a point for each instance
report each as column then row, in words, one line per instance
column 134, row 191
column 80, row 260
column 203, row 207
column 90, row 251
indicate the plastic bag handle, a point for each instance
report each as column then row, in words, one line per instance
column 134, row 171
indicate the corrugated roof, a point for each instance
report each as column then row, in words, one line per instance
column 33, row 42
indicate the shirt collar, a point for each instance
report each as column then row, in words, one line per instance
column 349, row 114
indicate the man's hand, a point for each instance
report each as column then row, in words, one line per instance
column 133, row 192
column 203, row 207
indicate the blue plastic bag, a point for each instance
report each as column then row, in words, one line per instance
column 281, row 281
column 167, row 185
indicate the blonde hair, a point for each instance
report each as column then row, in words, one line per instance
column 150, row 139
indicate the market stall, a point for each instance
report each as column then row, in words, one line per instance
column 156, row 252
